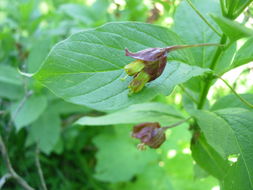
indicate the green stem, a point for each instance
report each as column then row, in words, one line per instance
column 203, row 18
column 232, row 89
column 239, row 11
column 230, row 11
column 38, row 166
column 223, row 8
column 209, row 79
column 188, row 94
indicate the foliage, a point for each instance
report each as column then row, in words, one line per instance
column 66, row 114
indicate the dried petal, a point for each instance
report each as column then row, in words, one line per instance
column 150, row 54
column 151, row 134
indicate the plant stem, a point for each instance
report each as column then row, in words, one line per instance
column 176, row 47
column 231, row 10
column 203, row 18
column 12, row 172
column 232, row 89
column 223, row 7
column 38, row 166
column 176, row 124
column 188, row 94
column 239, row 11
column 209, row 79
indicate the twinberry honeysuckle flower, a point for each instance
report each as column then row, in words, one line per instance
column 150, row 134
column 150, row 64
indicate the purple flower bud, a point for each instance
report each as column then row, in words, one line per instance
column 151, row 134
column 154, row 60
column 151, row 61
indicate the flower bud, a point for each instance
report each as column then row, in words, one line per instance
column 134, row 67
column 151, row 134
column 151, row 61
column 138, row 82
column 148, row 66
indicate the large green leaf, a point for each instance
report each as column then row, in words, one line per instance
column 232, row 29
column 87, row 67
column 229, row 132
column 193, row 30
column 25, row 113
column 147, row 112
column 237, row 54
column 10, row 83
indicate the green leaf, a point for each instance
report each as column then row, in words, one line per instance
column 231, row 101
column 28, row 112
column 78, row 12
column 38, row 53
column 118, row 158
column 237, row 54
column 45, row 131
column 147, row 112
column 88, row 15
column 193, row 30
column 87, row 68
column 10, row 83
column 208, row 159
column 229, row 132
column 232, row 29
column 62, row 107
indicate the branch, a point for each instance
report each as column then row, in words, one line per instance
column 38, row 166
column 4, row 179
column 176, row 124
column 188, row 94
column 205, row 89
column 232, row 89
column 12, row 172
